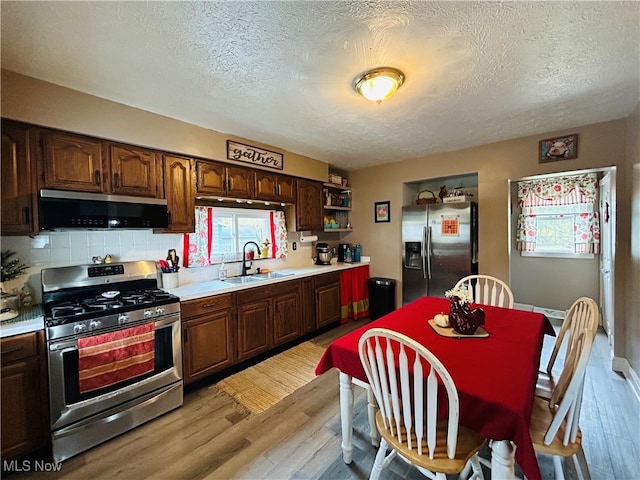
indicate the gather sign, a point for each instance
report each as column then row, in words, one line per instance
column 254, row 155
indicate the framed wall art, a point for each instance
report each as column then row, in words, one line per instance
column 254, row 155
column 559, row 148
column 382, row 212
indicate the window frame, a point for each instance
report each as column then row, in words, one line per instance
column 216, row 256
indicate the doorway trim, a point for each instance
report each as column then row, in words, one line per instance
column 613, row 209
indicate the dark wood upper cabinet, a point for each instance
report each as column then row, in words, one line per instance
column 134, row 170
column 85, row 164
column 224, row 180
column 241, row 182
column 36, row 157
column 179, row 190
column 18, row 190
column 73, row 162
column 309, row 205
column 273, row 186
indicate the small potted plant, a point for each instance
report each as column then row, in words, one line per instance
column 12, row 268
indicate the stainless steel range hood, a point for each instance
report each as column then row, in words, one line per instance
column 64, row 210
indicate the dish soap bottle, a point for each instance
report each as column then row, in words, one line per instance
column 222, row 272
column 347, row 255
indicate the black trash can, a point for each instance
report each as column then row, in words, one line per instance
column 382, row 296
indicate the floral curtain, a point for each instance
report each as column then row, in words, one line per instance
column 574, row 195
column 197, row 245
column 558, row 190
column 279, row 246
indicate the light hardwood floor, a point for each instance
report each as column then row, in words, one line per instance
column 299, row 438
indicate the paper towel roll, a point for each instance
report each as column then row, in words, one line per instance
column 307, row 238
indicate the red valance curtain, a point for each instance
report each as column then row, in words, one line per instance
column 354, row 293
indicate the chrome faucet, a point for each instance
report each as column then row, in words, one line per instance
column 244, row 257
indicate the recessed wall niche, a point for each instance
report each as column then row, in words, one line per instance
column 466, row 183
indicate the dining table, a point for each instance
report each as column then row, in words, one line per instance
column 495, row 375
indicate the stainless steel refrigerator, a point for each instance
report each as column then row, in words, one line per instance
column 439, row 247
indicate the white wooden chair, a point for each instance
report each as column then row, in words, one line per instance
column 582, row 316
column 400, row 371
column 554, row 426
column 487, row 290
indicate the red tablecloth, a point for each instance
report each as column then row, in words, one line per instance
column 495, row 376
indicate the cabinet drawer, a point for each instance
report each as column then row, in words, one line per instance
column 194, row 308
column 19, row 347
column 326, row 279
column 268, row 291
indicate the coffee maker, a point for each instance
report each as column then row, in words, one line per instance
column 342, row 248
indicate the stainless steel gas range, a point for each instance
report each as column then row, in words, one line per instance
column 114, row 350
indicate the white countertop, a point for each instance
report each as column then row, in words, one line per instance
column 33, row 319
column 197, row 290
column 30, row 320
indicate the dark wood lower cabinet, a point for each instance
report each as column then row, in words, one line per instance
column 25, row 402
column 222, row 330
column 267, row 317
column 254, row 328
column 207, row 336
column 287, row 317
column 327, row 298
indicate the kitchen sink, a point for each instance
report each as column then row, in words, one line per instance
column 267, row 276
column 256, row 277
column 242, row 280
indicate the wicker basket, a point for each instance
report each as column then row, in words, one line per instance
column 424, row 198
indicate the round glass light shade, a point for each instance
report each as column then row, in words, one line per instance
column 379, row 84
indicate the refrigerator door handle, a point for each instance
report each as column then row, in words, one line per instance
column 426, row 232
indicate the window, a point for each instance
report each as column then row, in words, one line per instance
column 232, row 228
column 221, row 233
column 558, row 216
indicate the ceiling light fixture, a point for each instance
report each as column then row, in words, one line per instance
column 378, row 84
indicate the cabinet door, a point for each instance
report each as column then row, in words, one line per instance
column 309, row 205
column 308, row 305
column 134, row 171
column 211, row 178
column 179, row 192
column 240, row 182
column 208, row 345
column 24, row 417
column 266, row 185
column 327, row 304
column 18, row 191
column 286, row 189
column 74, row 163
column 287, row 318
column 21, row 431
column 254, row 329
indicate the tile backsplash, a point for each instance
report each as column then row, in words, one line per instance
column 55, row 249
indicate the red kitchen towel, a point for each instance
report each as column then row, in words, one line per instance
column 111, row 358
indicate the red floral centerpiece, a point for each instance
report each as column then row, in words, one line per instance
column 462, row 318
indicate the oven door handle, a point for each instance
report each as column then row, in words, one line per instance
column 64, row 347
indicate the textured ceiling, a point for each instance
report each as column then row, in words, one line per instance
column 281, row 72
